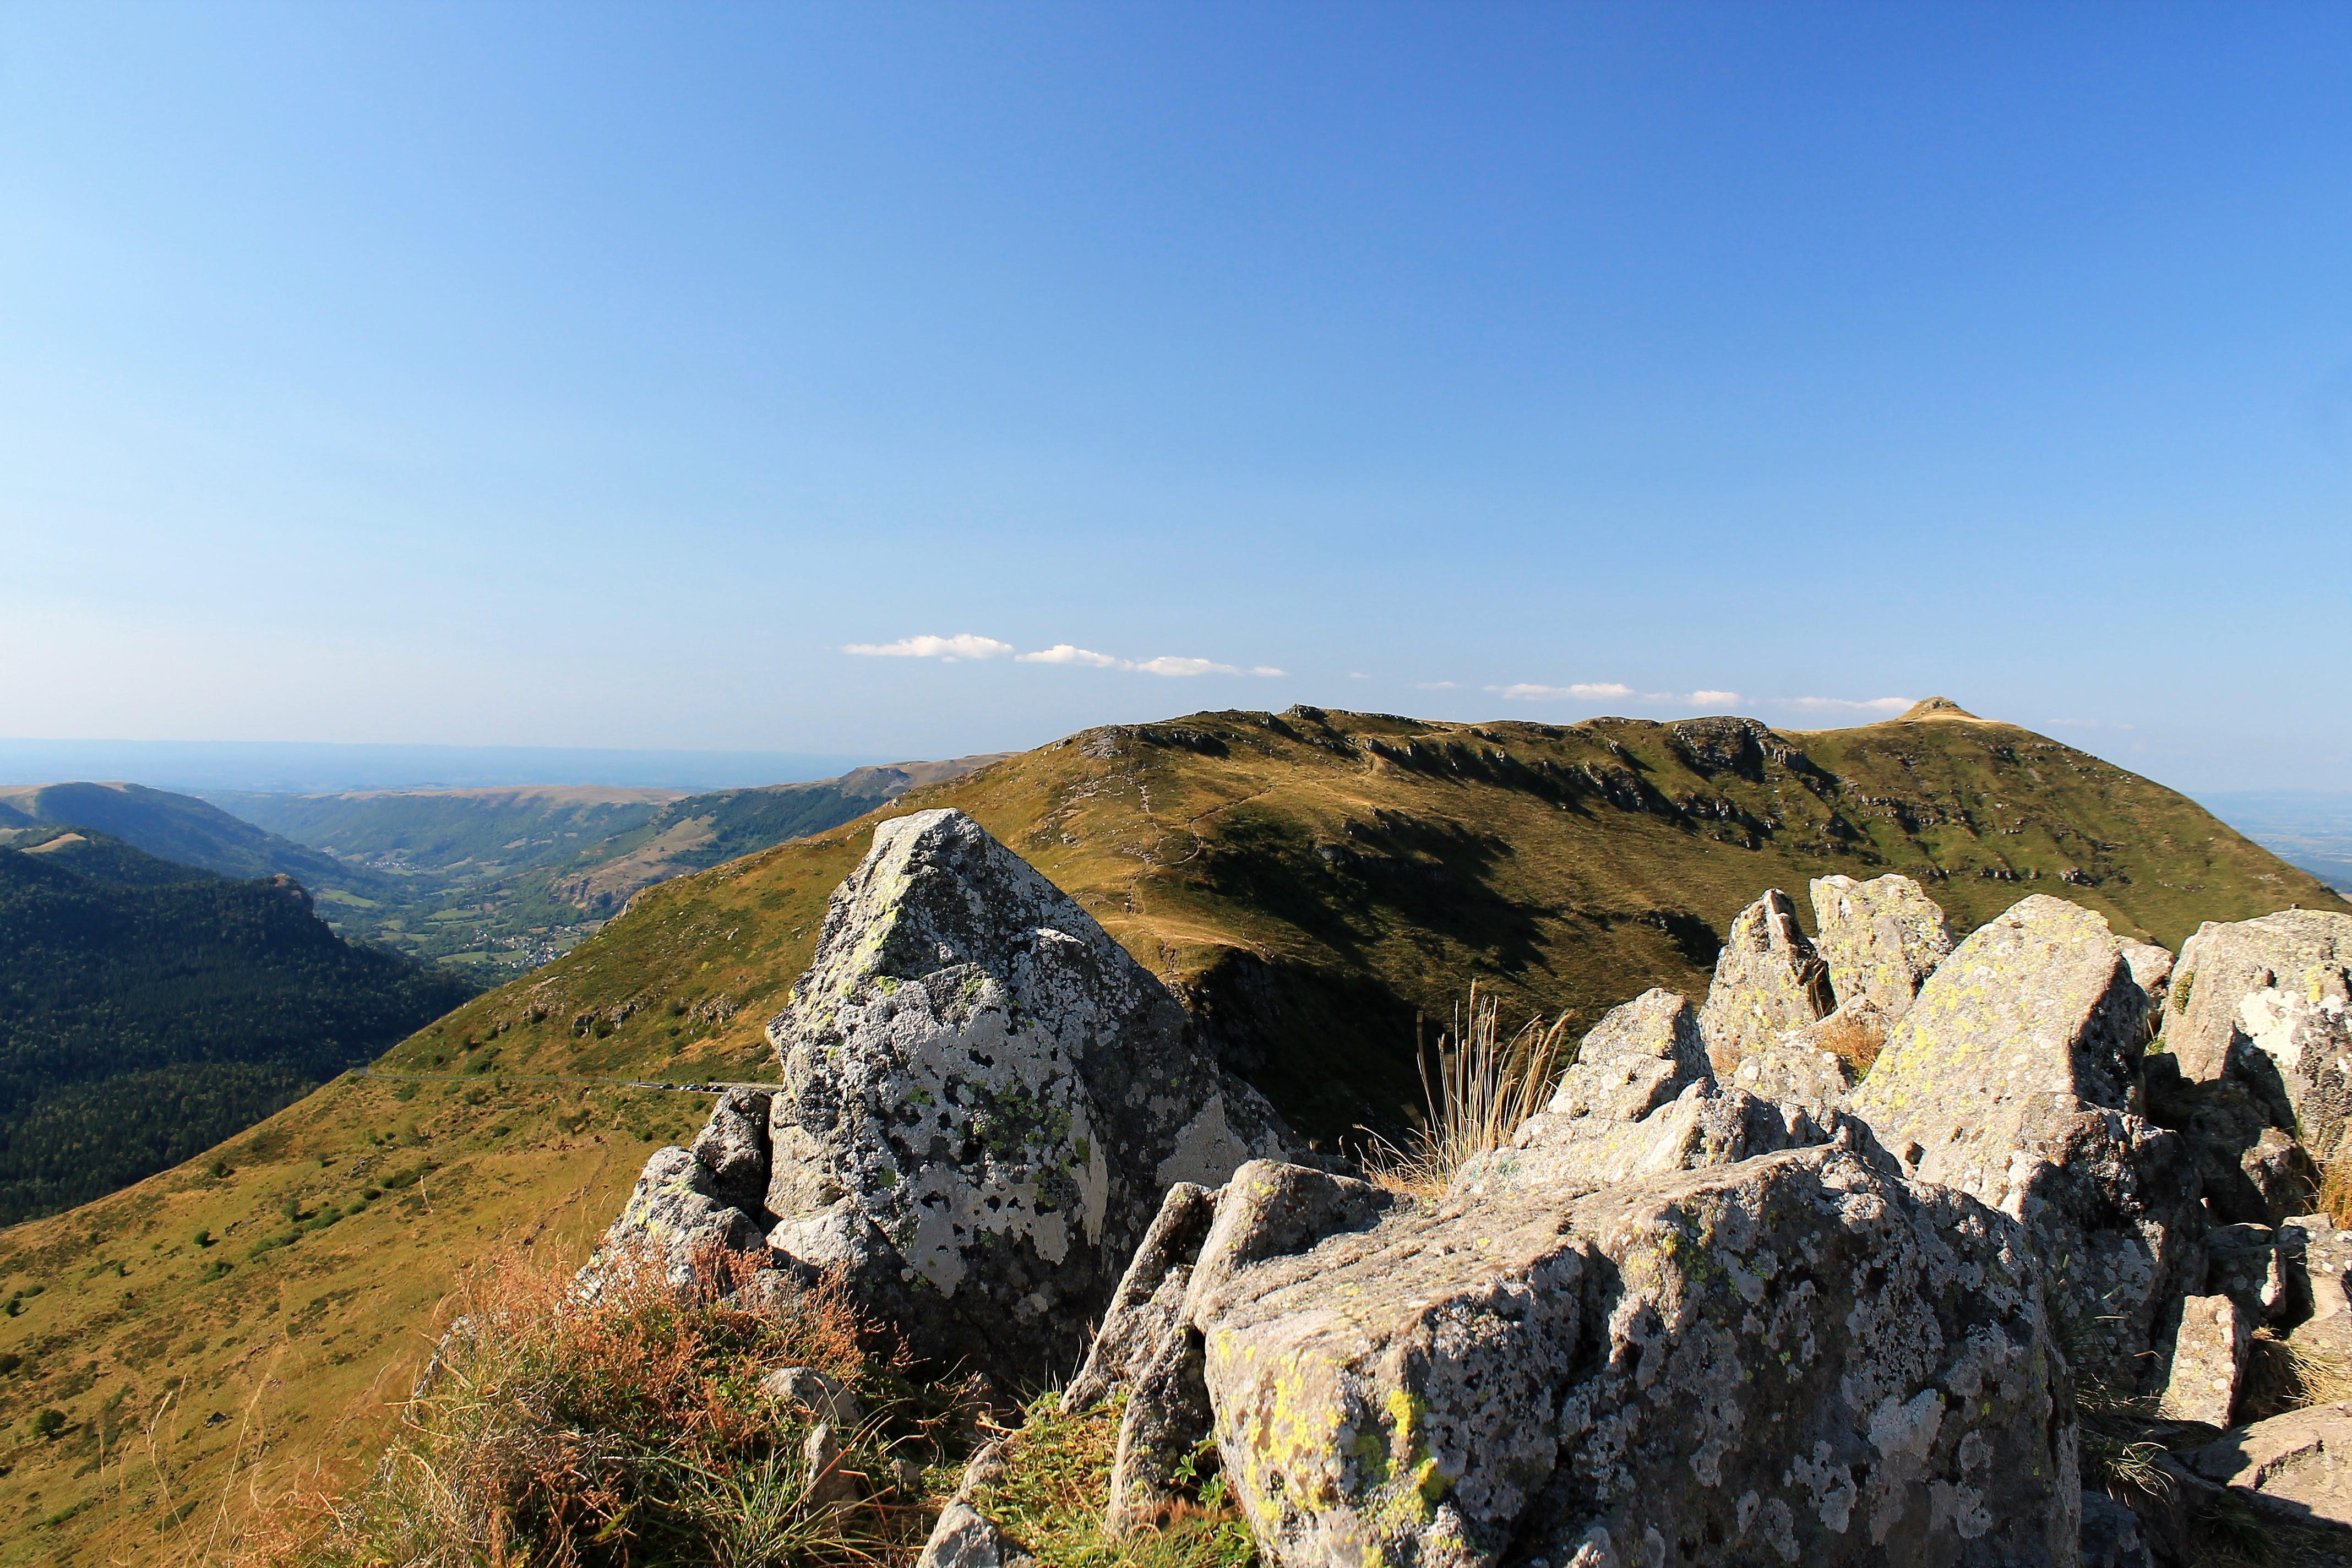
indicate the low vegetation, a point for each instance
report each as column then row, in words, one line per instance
column 1478, row 1085
column 1055, row 1483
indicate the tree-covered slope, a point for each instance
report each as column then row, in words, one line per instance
column 177, row 827
column 146, row 1015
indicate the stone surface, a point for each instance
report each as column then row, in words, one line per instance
column 2243, row 1262
column 823, row 1478
column 985, row 1098
column 1147, row 1305
column 2206, row 1362
column 2010, row 1078
column 1767, row 980
column 2296, row 1466
column 1639, row 1101
column 1797, row 1358
column 2111, row 1535
column 1793, row 1071
column 2267, row 999
column 733, row 1147
column 962, row 1539
column 2316, row 1260
column 2253, row 1173
column 1881, row 939
column 2151, row 968
column 828, row 1398
column 673, row 1216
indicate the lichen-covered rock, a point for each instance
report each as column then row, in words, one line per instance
column 1881, row 939
column 978, row 1075
column 2112, row 1537
column 1797, row 1358
column 2011, row 1079
column 2244, row 1263
column 2315, row 1261
column 1793, row 1071
column 963, row 1539
column 2296, row 1467
column 2206, row 1360
column 1147, row 1306
column 2267, row 999
column 675, row 1216
column 1639, row 1101
column 1767, row 980
column 733, row 1147
column 2151, row 968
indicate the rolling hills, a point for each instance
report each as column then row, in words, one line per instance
column 176, row 827
column 1311, row 881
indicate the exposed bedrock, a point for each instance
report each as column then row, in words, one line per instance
column 984, row 1100
column 1767, row 980
column 1799, row 1357
column 1881, row 939
column 2267, row 1003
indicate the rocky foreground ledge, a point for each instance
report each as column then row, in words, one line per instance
column 1716, row 1303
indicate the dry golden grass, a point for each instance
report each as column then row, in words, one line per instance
column 2334, row 1199
column 1483, row 1086
column 2282, row 1375
column 1851, row 1038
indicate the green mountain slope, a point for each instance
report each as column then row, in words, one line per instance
column 482, row 832
column 178, row 827
column 146, row 1014
column 1310, row 879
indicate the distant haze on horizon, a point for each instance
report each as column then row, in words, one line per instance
column 857, row 384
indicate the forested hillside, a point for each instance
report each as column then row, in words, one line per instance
column 147, row 1012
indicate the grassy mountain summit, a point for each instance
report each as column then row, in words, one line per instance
column 1308, row 879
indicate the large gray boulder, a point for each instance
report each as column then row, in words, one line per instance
column 1639, row 1099
column 1766, row 980
column 678, row 1221
column 2012, row 1077
column 985, row 1098
column 2269, row 1000
column 1802, row 1357
column 1881, row 939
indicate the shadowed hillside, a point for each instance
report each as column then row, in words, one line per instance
column 1309, row 880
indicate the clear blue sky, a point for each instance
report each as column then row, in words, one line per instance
column 557, row 375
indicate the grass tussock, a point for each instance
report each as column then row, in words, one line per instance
column 1050, row 1497
column 627, row 1430
column 1856, row 1040
column 2282, row 1375
column 1479, row 1085
column 2334, row 1199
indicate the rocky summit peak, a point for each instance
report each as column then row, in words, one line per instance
column 1935, row 708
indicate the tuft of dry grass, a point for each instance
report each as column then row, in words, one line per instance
column 1483, row 1086
column 622, row 1428
column 2282, row 1375
column 2334, row 1199
column 1857, row 1041
column 1055, row 1486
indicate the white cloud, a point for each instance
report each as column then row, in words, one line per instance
column 1600, row 689
column 1063, row 653
column 963, row 645
column 1847, row 705
column 1529, row 692
column 1714, row 698
column 1357, row 675
column 1170, row 664
column 1435, row 685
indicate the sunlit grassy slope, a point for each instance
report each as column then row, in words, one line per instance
column 1308, row 879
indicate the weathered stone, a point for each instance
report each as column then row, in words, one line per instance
column 823, row 1477
column 2296, row 1466
column 2111, row 1535
column 2253, row 1173
column 733, row 1147
column 976, row 1073
column 962, row 1539
column 1881, row 939
column 828, row 1398
column 2010, row 1079
column 1639, row 1101
column 1167, row 1415
column 1148, row 1304
column 2316, row 1260
column 2206, row 1360
column 2151, row 968
column 2243, row 1263
column 2267, row 999
column 1767, row 980
column 1797, row 1358
column 675, row 1216
column 1793, row 1071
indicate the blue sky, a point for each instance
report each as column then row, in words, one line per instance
column 566, row 376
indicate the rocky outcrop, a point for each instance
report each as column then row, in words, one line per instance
column 1881, row 939
column 1766, row 980
column 2205, row 1361
column 985, row 1098
column 674, row 1217
column 2013, row 1078
column 1796, row 1358
column 2295, row 1468
column 2268, row 1001
column 1639, row 1101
